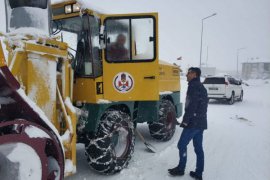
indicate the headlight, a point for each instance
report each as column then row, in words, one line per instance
column 76, row 7
column 68, row 9
column 72, row 8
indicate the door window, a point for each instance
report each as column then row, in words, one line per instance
column 230, row 80
column 130, row 39
column 118, row 40
column 233, row 81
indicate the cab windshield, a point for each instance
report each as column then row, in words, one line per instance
column 82, row 36
column 28, row 14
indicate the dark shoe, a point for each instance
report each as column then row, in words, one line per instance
column 176, row 172
column 195, row 175
column 173, row 169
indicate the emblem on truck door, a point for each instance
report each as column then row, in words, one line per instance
column 123, row 82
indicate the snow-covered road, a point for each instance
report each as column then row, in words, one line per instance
column 236, row 144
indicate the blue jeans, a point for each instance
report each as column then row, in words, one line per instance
column 186, row 136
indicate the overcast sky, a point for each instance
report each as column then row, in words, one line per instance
column 238, row 24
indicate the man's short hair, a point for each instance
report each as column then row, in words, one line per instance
column 196, row 70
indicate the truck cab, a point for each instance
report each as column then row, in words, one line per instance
column 119, row 81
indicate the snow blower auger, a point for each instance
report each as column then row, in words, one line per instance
column 37, row 119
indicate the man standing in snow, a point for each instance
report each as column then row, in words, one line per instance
column 194, row 123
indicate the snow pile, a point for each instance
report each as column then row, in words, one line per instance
column 28, row 31
column 17, row 155
column 69, row 168
column 165, row 92
column 68, row 103
column 236, row 144
column 66, row 137
column 257, row 82
column 84, row 5
column 34, row 17
column 34, row 132
column 16, row 39
column 40, row 113
column 73, row 110
column 103, row 101
column 70, row 124
column 45, row 70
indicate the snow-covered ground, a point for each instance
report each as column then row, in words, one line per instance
column 236, row 144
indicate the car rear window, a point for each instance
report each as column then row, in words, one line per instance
column 214, row 80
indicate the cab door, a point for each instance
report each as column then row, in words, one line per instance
column 130, row 57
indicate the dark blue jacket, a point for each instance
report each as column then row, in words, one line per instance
column 196, row 105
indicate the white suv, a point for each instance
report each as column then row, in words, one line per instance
column 224, row 87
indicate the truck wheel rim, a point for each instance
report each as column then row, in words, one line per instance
column 169, row 120
column 121, row 142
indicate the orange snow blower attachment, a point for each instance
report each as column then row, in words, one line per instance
column 35, row 109
column 29, row 145
column 37, row 118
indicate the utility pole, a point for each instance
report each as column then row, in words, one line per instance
column 202, row 37
column 206, row 64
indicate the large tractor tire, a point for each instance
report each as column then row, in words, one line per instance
column 113, row 145
column 164, row 128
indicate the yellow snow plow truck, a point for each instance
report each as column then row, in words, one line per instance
column 72, row 75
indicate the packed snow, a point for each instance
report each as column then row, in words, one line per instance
column 84, row 4
column 103, row 101
column 17, row 154
column 45, row 71
column 34, row 132
column 37, row 109
column 36, row 18
column 68, row 103
column 66, row 137
column 165, row 92
column 69, row 168
column 236, row 144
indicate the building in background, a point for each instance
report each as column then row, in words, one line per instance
column 256, row 70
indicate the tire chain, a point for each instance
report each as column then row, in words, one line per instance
column 103, row 160
column 158, row 129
